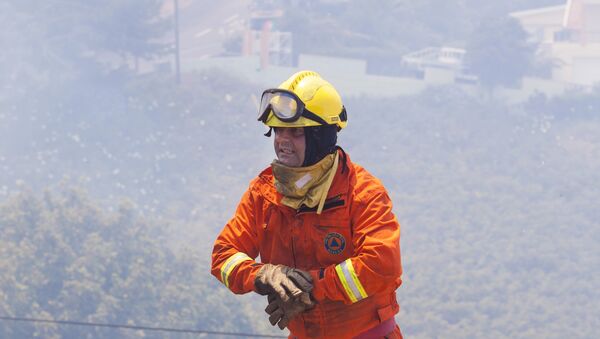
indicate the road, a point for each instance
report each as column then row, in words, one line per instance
column 205, row 25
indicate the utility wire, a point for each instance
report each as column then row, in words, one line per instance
column 132, row 327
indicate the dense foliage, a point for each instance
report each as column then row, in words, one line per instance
column 499, row 211
column 62, row 39
column 499, row 52
column 63, row 258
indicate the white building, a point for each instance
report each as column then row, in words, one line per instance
column 569, row 35
column 439, row 65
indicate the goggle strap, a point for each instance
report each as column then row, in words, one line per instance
column 310, row 115
column 343, row 115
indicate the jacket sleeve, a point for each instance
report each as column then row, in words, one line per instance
column 236, row 248
column 375, row 266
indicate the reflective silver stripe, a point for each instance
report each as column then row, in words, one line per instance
column 352, row 285
column 230, row 264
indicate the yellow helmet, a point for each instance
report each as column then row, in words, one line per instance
column 303, row 100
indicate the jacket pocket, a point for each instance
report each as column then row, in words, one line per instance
column 333, row 241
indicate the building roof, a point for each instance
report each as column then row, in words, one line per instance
column 536, row 11
column 573, row 14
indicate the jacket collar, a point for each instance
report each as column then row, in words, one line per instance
column 338, row 190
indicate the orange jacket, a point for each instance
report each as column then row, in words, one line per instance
column 352, row 251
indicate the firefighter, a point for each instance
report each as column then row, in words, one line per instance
column 323, row 226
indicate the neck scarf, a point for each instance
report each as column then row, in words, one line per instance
column 305, row 185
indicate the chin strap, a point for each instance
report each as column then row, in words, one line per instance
column 268, row 134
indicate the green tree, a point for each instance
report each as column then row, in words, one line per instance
column 47, row 42
column 64, row 258
column 498, row 52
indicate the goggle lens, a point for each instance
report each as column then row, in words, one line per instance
column 284, row 105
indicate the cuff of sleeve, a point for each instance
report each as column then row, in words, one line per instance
column 249, row 283
column 318, row 291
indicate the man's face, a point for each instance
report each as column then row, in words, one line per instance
column 290, row 144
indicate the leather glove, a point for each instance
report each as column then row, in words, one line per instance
column 283, row 281
column 282, row 312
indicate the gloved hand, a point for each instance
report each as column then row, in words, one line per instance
column 285, row 282
column 282, row 312
column 289, row 292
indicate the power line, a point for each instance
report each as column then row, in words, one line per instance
column 132, row 327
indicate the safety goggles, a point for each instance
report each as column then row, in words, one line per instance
column 286, row 106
